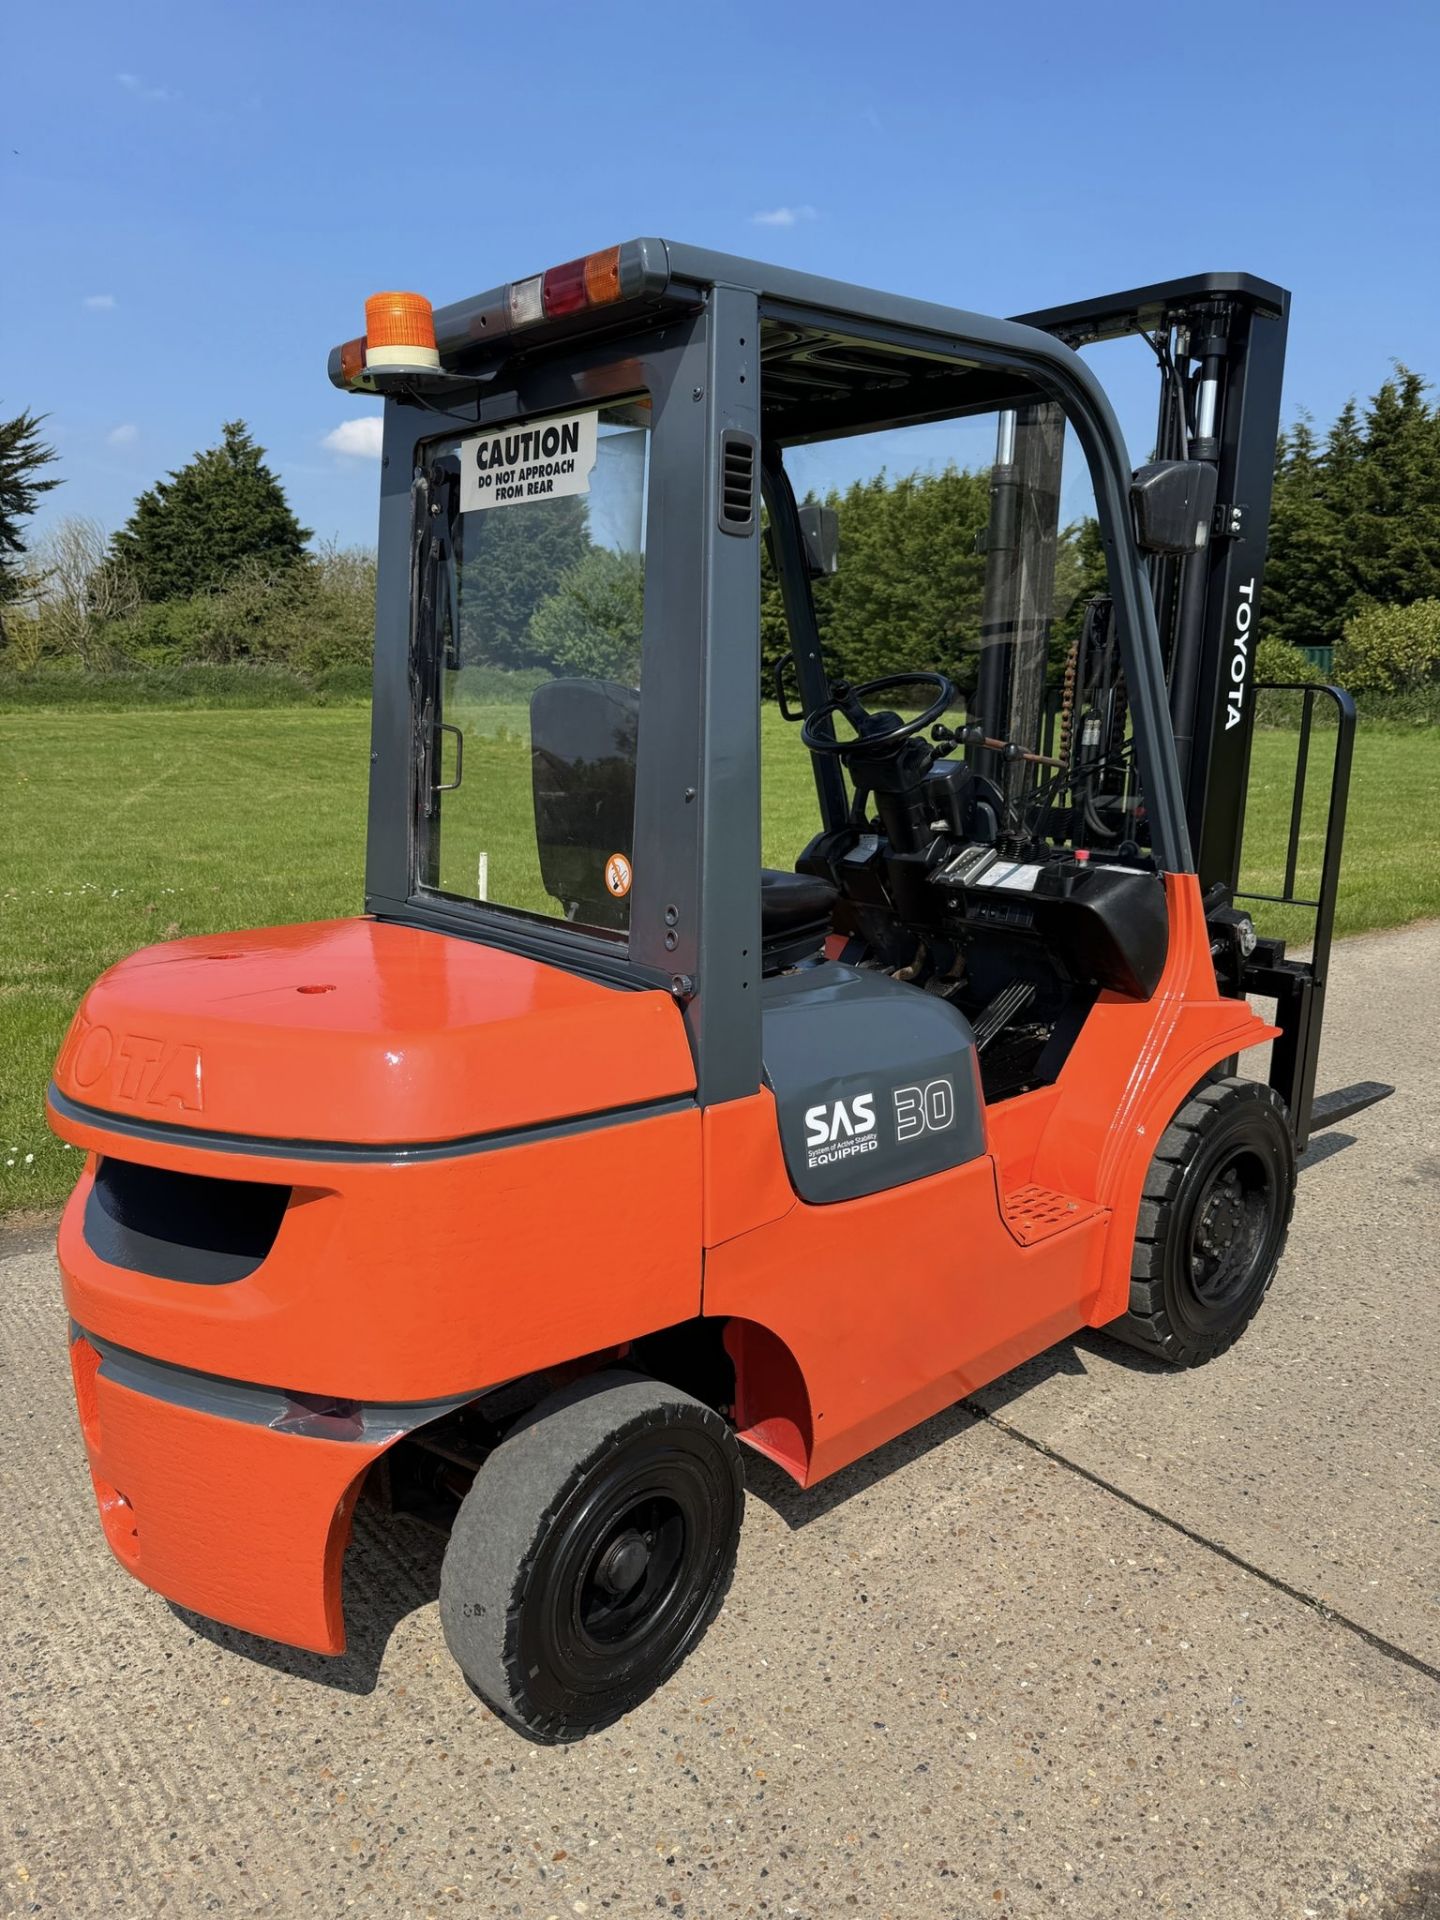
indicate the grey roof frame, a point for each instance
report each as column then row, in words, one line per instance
column 1060, row 372
column 691, row 336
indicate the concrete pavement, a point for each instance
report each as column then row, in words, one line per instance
column 1109, row 1641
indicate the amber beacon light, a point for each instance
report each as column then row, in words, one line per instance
column 400, row 331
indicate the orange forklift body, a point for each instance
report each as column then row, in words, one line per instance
column 368, row 1201
column 485, row 1241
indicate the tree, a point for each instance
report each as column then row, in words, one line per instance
column 592, row 623
column 1307, row 572
column 1397, row 537
column 23, row 454
column 81, row 591
column 1357, row 523
column 189, row 533
column 514, row 559
column 1390, row 649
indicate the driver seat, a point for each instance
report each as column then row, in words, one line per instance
column 795, row 913
column 582, row 768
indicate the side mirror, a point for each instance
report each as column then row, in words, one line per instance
column 820, row 531
column 1172, row 503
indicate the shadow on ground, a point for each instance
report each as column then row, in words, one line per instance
column 1324, row 1146
column 1416, row 1894
column 798, row 1506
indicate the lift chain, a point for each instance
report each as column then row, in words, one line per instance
column 1067, row 702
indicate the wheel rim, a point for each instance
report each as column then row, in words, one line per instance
column 626, row 1575
column 1228, row 1230
column 631, row 1572
column 1233, row 1230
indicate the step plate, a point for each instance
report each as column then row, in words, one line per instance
column 1035, row 1213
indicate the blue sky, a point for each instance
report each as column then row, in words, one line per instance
column 197, row 199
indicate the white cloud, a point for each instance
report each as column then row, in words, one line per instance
column 132, row 83
column 122, row 435
column 357, row 439
column 99, row 302
column 784, row 216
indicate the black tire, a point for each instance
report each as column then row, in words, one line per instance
column 594, row 1548
column 1213, row 1218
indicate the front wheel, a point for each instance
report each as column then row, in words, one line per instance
column 1213, row 1218
column 594, row 1548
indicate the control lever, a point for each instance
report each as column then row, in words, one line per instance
column 975, row 735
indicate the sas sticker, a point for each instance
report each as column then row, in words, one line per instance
column 542, row 461
column 618, row 876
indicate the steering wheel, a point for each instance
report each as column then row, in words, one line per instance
column 851, row 702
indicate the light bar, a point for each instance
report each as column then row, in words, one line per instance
column 397, row 353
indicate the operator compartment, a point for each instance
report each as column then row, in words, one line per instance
column 960, row 659
column 1021, row 946
column 983, row 893
column 1103, row 923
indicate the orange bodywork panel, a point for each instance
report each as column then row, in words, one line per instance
column 239, row 1522
column 396, row 1274
column 364, row 1032
column 525, row 1234
column 403, row 1282
column 386, row 1283
column 892, row 1307
column 746, row 1184
column 855, row 1320
column 496, row 1168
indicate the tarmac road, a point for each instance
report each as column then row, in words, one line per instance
column 1111, row 1641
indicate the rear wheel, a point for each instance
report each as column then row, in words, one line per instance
column 1213, row 1219
column 593, row 1550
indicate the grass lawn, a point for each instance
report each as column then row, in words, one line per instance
column 121, row 829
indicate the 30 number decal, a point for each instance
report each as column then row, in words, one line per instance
column 926, row 1109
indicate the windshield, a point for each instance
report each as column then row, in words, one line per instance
column 526, row 670
column 970, row 546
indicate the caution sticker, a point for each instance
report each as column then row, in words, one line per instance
column 618, row 875
column 542, row 461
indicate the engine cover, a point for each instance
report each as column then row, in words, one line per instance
column 875, row 1082
column 364, row 1033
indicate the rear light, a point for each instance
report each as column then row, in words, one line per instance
column 399, row 331
column 527, row 302
column 591, row 281
column 564, row 289
column 602, row 276
column 352, row 360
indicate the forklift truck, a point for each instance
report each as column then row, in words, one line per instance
column 594, row 1148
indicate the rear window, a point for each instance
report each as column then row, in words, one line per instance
column 527, row 669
